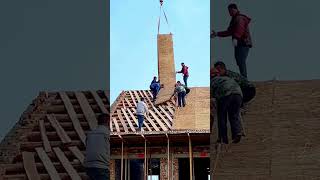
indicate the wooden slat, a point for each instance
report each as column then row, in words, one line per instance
column 47, row 164
column 133, row 99
column 77, row 153
column 99, row 102
column 170, row 110
column 164, row 111
column 122, row 121
column 128, row 120
column 73, row 116
column 163, row 118
column 87, row 110
column 60, row 131
column 123, row 105
column 142, row 93
column 134, row 118
column 44, row 136
column 111, row 126
column 128, row 102
column 149, row 92
column 158, row 120
column 29, row 165
column 116, row 124
column 137, row 96
column 66, row 164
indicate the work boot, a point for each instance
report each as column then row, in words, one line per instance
column 237, row 139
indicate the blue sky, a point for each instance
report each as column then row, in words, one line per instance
column 133, row 41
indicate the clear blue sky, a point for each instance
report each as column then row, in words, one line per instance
column 133, row 41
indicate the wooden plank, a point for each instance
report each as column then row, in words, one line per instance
column 163, row 118
column 143, row 94
column 116, row 124
column 137, row 96
column 133, row 99
column 77, row 153
column 87, row 110
column 158, row 120
column 44, row 136
column 66, row 164
column 99, row 102
column 152, row 123
column 170, row 110
column 128, row 102
column 165, row 112
column 60, row 131
column 47, row 164
column 123, row 105
column 73, row 116
column 111, row 126
column 122, row 121
column 29, row 165
column 134, row 118
column 128, row 120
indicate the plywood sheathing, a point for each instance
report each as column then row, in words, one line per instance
column 282, row 142
column 196, row 114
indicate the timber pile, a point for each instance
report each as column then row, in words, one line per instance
column 282, row 142
column 53, row 140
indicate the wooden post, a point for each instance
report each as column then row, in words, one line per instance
column 145, row 159
column 168, row 158
column 190, row 157
column 121, row 159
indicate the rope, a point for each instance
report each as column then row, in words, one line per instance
column 165, row 16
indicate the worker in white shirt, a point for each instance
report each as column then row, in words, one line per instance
column 142, row 110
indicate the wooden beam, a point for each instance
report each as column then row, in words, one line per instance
column 116, row 124
column 66, row 164
column 77, row 153
column 73, row 116
column 122, row 121
column 170, row 110
column 143, row 94
column 29, row 165
column 128, row 120
column 158, row 121
column 87, row 110
column 44, row 136
column 60, row 131
column 190, row 158
column 137, row 96
column 99, row 102
column 128, row 102
column 111, row 125
column 136, row 121
column 48, row 164
column 133, row 99
column 165, row 113
column 163, row 118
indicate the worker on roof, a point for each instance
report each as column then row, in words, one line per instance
column 97, row 154
column 141, row 111
column 248, row 89
column 228, row 97
column 155, row 88
column 241, row 38
column 180, row 92
column 184, row 70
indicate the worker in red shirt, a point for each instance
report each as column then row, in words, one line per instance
column 239, row 31
column 185, row 72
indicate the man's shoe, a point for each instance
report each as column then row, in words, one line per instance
column 237, row 139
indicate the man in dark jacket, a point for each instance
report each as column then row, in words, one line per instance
column 184, row 70
column 155, row 88
column 239, row 31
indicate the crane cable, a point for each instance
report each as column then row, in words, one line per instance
column 165, row 16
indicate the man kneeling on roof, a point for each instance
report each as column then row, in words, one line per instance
column 228, row 96
column 180, row 91
column 97, row 150
column 155, row 88
column 142, row 110
column 248, row 89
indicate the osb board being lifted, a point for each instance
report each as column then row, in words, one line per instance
column 196, row 114
column 164, row 95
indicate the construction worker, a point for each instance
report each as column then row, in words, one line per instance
column 97, row 150
column 241, row 39
column 142, row 110
column 248, row 89
column 228, row 97
column 184, row 70
column 155, row 88
column 180, row 91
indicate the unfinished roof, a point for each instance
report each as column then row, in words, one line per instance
column 48, row 141
column 164, row 117
column 282, row 126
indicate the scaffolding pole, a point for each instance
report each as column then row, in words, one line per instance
column 190, row 157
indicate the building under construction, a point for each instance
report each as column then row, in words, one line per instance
column 174, row 143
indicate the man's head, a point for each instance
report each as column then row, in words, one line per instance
column 220, row 68
column 182, row 64
column 233, row 9
column 103, row 119
column 155, row 78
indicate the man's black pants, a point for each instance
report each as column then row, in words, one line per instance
column 229, row 106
